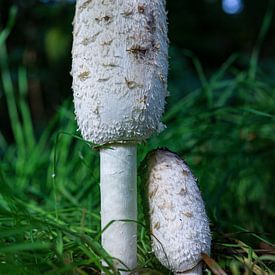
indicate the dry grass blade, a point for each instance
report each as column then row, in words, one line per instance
column 256, row 269
column 213, row 265
column 250, row 261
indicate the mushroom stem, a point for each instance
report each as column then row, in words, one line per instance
column 197, row 270
column 118, row 175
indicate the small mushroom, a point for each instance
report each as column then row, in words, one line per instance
column 182, row 233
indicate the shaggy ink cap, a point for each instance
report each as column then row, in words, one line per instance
column 119, row 69
column 178, row 220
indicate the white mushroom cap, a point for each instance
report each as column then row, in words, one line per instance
column 119, row 68
column 178, row 221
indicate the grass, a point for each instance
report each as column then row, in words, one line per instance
column 49, row 197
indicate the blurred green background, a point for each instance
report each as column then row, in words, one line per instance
column 220, row 117
column 41, row 41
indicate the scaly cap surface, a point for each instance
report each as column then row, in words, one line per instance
column 178, row 220
column 119, row 68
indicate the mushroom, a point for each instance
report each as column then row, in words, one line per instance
column 119, row 69
column 178, row 221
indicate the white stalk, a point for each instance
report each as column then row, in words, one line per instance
column 197, row 270
column 119, row 202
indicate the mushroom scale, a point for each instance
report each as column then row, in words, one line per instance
column 178, row 220
column 119, row 69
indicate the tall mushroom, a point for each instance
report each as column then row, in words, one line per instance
column 119, row 74
column 178, row 221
